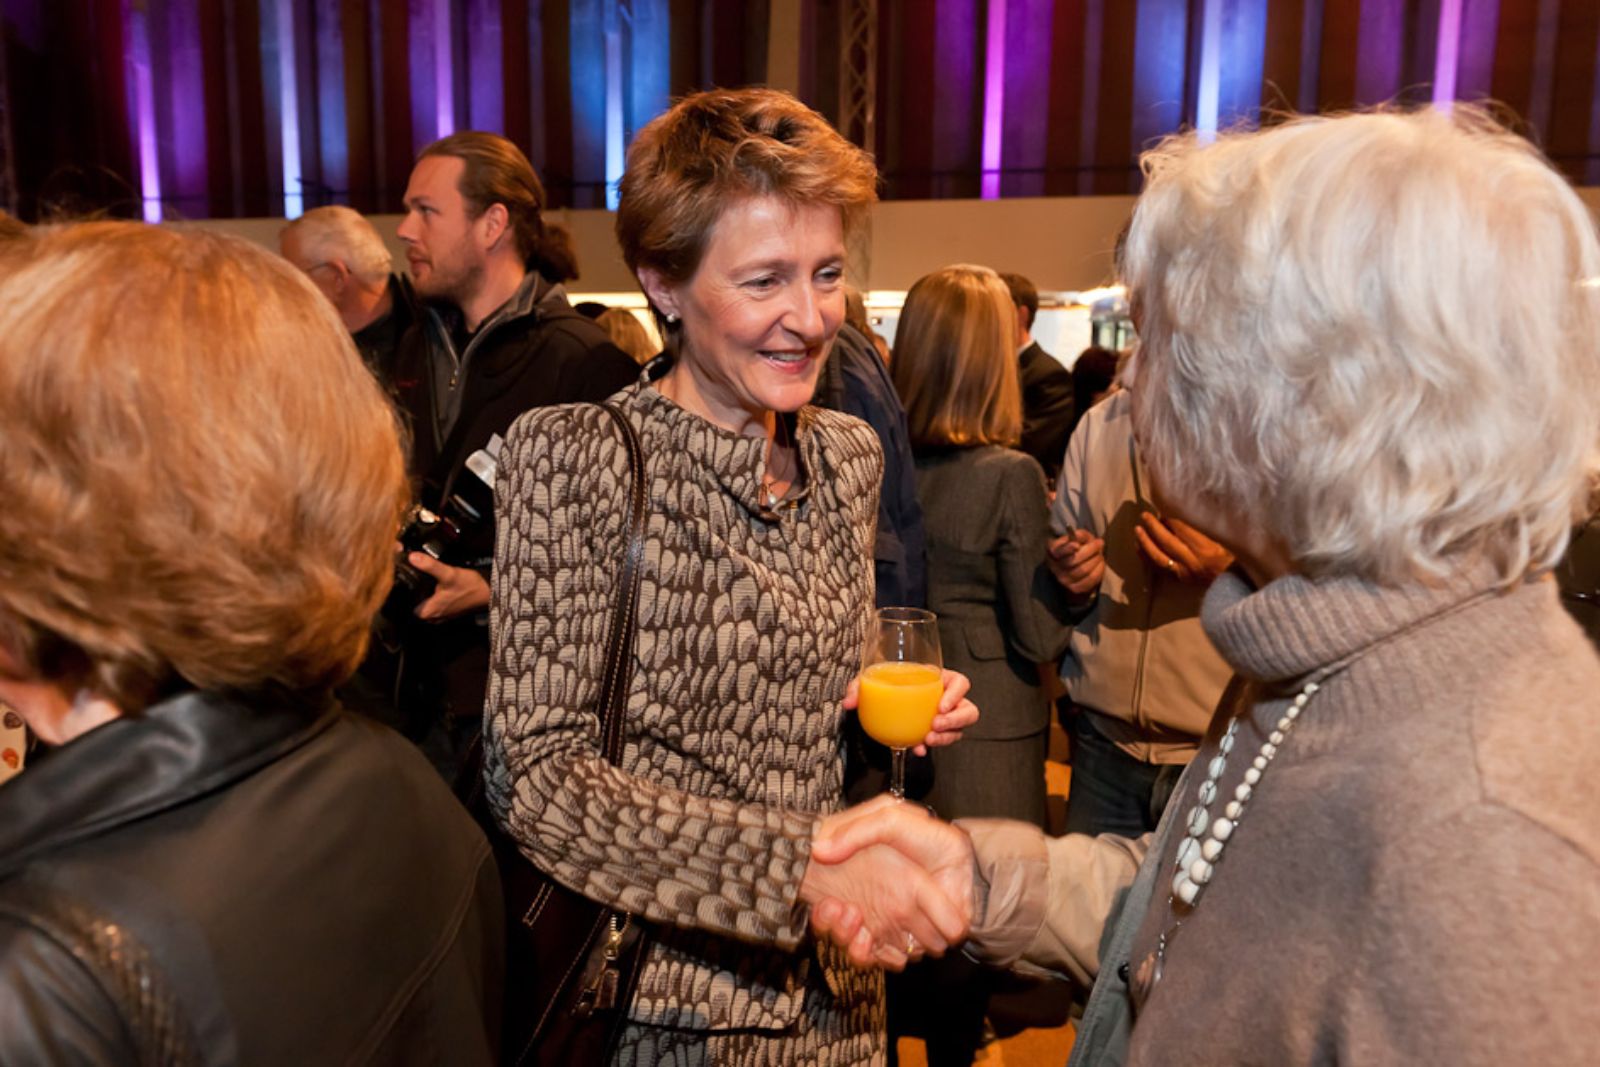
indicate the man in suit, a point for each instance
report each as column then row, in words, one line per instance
column 1046, row 384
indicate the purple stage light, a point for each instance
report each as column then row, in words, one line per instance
column 994, row 91
column 1447, row 57
column 144, row 109
column 294, row 201
column 1208, row 84
column 444, row 86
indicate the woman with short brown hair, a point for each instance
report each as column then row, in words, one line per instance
column 757, row 580
column 202, row 488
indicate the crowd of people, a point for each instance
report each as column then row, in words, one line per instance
column 311, row 575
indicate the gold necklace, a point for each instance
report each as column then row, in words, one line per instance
column 778, row 440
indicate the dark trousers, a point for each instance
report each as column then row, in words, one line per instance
column 1111, row 792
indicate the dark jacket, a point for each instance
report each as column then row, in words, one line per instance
column 379, row 342
column 855, row 381
column 293, row 884
column 1046, row 407
column 533, row 352
column 1001, row 613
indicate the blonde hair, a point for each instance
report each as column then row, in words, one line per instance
column 628, row 334
column 955, row 360
column 1373, row 335
column 202, row 481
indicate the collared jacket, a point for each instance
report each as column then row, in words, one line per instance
column 534, row 351
column 268, row 880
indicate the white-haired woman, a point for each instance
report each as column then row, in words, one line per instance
column 1369, row 367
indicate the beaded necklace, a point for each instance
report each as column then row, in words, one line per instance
column 1203, row 845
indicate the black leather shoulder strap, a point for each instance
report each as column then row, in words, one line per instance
column 619, row 642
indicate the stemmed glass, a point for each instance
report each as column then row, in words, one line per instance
column 901, row 683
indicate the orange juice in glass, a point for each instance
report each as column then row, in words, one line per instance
column 901, row 683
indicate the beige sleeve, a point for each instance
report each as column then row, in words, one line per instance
column 1043, row 901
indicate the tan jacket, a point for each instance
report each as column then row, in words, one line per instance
column 1139, row 660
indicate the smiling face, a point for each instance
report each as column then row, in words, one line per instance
column 759, row 314
column 446, row 248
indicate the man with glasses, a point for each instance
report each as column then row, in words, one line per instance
column 342, row 254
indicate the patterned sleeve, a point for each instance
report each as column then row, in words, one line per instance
column 625, row 840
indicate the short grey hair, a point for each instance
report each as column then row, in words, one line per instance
column 1374, row 336
column 338, row 232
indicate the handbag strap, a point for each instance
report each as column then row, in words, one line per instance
column 619, row 641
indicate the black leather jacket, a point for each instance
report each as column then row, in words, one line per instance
column 263, row 879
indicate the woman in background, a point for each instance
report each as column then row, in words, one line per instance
column 628, row 334
column 1001, row 614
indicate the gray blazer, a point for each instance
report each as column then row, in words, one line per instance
column 1001, row 612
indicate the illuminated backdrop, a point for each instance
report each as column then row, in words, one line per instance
column 218, row 108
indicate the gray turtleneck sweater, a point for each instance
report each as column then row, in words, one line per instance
column 1416, row 878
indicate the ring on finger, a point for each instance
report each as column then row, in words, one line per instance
column 911, row 945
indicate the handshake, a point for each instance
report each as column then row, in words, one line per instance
column 888, row 882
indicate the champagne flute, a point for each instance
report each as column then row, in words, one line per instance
column 901, row 683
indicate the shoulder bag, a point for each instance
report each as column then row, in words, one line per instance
column 571, row 963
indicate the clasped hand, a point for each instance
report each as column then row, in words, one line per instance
column 888, row 882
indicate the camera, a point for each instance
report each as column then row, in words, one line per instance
column 448, row 535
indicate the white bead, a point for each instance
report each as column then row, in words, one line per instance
column 1208, row 791
column 1221, row 829
column 1188, row 891
column 1259, row 763
column 1233, row 809
column 1179, row 880
column 1300, row 701
column 1200, row 872
column 1253, row 775
column 1197, row 821
column 1188, row 852
column 1242, row 794
column 1268, row 750
column 1212, row 848
column 1311, row 687
column 1276, row 737
column 1283, row 724
column 1216, row 767
column 1293, row 713
column 1226, row 744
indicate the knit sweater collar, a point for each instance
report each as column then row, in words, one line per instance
column 1296, row 626
column 737, row 462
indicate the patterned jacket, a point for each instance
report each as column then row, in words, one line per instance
column 749, row 629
